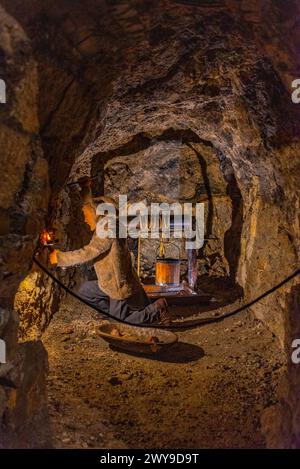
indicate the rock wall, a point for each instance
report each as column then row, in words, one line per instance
column 174, row 168
column 38, row 297
column 23, row 203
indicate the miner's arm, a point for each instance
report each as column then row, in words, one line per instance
column 89, row 252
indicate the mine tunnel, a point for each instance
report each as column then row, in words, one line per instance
column 175, row 101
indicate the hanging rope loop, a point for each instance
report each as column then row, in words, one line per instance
column 231, row 313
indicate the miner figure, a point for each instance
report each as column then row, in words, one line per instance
column 118, row 290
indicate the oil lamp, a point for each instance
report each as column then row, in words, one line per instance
column 47, row 238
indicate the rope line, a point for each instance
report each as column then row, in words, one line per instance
column 265, row 294
column 235, row 311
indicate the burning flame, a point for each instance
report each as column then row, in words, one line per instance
column 46, row 237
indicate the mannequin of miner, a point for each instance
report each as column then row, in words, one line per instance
column 118, row 290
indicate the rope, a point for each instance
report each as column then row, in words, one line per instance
column 231, row 313
column 265, row 294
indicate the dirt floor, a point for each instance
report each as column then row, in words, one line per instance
column 207, row 391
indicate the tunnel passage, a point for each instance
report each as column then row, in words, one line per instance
column 176, row 166
column 108, row 83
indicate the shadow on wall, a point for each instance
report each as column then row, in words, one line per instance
column 232, row 238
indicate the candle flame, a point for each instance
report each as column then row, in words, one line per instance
column 46, row 237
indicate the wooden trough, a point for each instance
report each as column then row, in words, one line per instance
column 145, row 340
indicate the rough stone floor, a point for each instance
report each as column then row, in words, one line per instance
column 209, row 390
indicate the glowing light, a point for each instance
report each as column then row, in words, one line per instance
column 47, row 237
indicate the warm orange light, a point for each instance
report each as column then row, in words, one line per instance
column 89, row 216
column 46, row 237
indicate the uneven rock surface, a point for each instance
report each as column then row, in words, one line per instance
column 23, row 202
column 209, row 391
column 173, row 86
